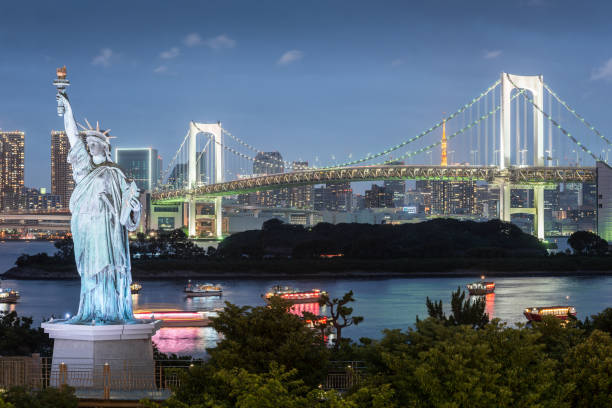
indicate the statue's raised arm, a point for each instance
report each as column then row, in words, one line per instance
column 63, row 106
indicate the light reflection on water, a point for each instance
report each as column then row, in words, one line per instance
column 384, row 303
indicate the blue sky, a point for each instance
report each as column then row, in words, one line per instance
column 309, row 79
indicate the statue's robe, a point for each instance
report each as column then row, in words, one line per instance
column 101, row 219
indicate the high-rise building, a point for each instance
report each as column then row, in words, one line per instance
column 396, row 188
column 378, row 197
column 139, row 164
column 178, row 176
column 62, row 182
column 453, row 197
column 333, row 197
column 300, row 197
column 423, row 189
column 267, row 163
column 35, row 199
column 11, row 169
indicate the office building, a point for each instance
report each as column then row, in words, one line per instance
column 40, row 200
column 11, row 169
column 139, row 164
column 378, row 197
column 267, row 163
column 333, row 197
column 300, row 197
column 62, row 182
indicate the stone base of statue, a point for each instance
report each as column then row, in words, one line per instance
column 110, row 357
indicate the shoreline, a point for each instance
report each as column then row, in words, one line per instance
column 28, row 273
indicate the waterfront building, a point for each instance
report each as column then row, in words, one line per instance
column 40, row 200
column 300, row 197
column 378, row 197
column 11, row 169
column 140, row 164
column 62, row 182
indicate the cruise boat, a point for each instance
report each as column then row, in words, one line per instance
column 135, row 288
column 294, row 295
column 175, row 317
column 8, row 295
column 535, row 314
column 202, row 289
column 480, row 288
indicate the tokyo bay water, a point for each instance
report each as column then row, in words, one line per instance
column 384, row 303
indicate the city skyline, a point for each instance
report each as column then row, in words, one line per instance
column 149, row 86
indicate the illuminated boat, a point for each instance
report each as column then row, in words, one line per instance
column 202, row 289
column 8, row 295
column 174, row 318
column 135, row 287
column 535, row 314
column 480, row 288
column 294, row 295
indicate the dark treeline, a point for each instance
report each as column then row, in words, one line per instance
column 439, row 237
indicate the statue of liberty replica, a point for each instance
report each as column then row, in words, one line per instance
column 104, row 207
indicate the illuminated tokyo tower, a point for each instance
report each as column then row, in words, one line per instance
column 444, row 161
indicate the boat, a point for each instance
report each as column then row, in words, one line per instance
column 202, row 289
column 135, row 288
column 175, row 317
column 8, row 295
column 535, row 314
column 295, row 295
column 480, row 288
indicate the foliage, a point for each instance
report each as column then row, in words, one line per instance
column 340, row 314
column 588, row 372
column 587, row 242
column 166, row 245
column 601, row 321
column 463, row 311
column 255, row 337
column 366, row 241
column 19, row 338
column 19, row 397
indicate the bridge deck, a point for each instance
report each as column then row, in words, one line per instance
column 513, row 175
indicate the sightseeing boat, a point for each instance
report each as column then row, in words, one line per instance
column 135, row 288
column 535, row 314
column 294, row 295
column 480, row 288
column 175, row 317
column 202, row 289
column 8, row 295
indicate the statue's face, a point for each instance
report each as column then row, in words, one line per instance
column 97, row 150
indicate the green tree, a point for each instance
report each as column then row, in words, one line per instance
column 601, row 321
column 340, row 314
column 49, row 397
column 19, row 338
column 588, row 243
column 588, row 373
column 253, row 337
column 463, row 311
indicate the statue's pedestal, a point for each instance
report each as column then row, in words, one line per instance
column 112, row 356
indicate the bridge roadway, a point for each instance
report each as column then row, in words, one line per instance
column 515, row 176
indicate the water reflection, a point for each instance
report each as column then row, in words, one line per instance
column 191, row 341
column 490, row 305
column 6, row 308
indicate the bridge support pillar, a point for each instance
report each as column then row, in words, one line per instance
column 504, row 202
column 219, row 217
column 538, row 203
column 191, row 217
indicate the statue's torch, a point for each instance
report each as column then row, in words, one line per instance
column 61, row 83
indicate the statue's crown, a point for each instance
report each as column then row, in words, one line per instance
column 89, row 131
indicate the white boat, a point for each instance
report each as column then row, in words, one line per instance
column 202, row 289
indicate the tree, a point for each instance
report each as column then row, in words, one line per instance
column 65, row 250
column 601, row 321
column 48, row 397
column 340, row 314
column 463, row 311
column 588, row 372
column 255, row 336
column 18, row 338
column 588, row 243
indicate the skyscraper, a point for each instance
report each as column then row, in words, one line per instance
column 11, row 169
column 267, row 163
column 139, row 164
column 62, row 182
column 300, row 197
column 377, row 197
column 396, row 188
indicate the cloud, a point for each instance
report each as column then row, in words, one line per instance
column 290, row 56
column 216, row 43
column 103, row 58
column 603, row 72
column 397, row 62
column 492, row 54
column 161, row 69
column 192, row 40
column 171, row 53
